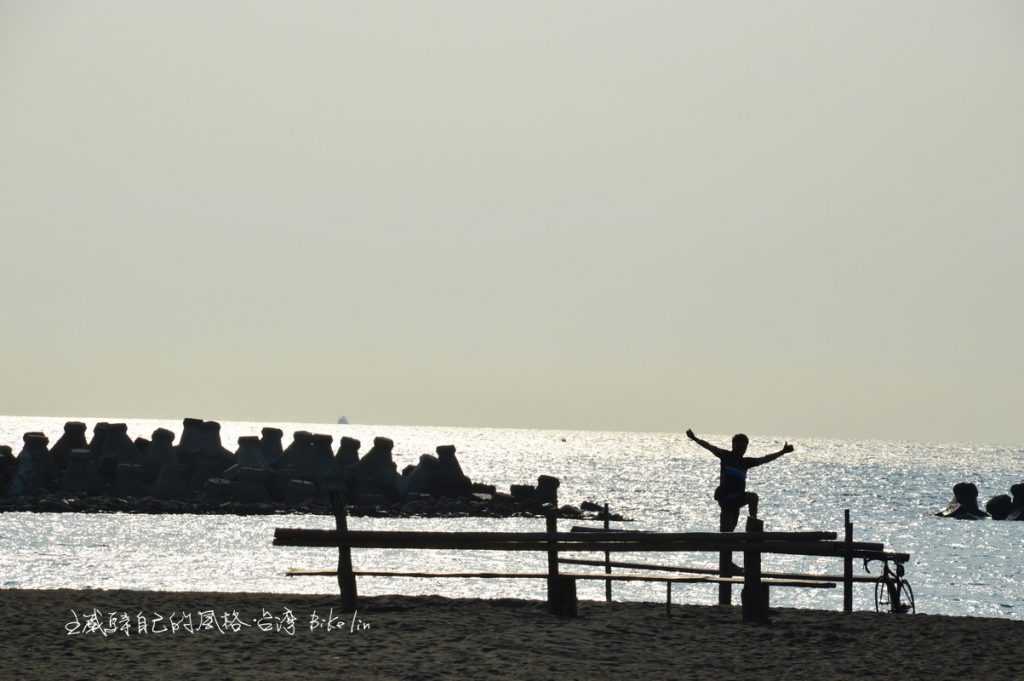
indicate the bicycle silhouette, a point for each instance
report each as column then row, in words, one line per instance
column 892, row 592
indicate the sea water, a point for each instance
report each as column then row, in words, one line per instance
column 659, row 480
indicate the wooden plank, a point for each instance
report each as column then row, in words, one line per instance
column 619, row 576
column 308, row 572
column 458, row 540
column 823, row 549
column 584, row 529
column 802, row 583
column 284, row 536
column 827, row 549
column 710, row 571
column 783, row 536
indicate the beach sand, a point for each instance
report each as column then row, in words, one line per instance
column 431, row 637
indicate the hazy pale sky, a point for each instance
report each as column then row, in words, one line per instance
column 795, row 218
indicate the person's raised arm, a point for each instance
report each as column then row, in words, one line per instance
column 758, row 461
column 717, row 451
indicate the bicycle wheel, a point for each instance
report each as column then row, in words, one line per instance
column 906, row 598
column 881, row 596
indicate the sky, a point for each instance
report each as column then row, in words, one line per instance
column 792, row 218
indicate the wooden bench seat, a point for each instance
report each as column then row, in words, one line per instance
column 619, row 577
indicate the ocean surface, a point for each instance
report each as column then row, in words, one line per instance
column 660, row 480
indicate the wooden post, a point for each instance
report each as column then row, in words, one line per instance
column 566, row 604
column 755, row 593
column 848, row 565
column 725, row 570
column 607, row 562
column 551, row 522
column 724, row 557
column 346, row 578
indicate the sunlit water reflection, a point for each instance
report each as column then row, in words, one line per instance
column 659, row 479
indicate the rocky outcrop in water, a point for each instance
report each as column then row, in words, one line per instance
column 172, row 482
column 159, row 453
column 965, row 503
column 438, row 476
column 114, row 473
column 34, row 471
column 411, row 507
column 250, row 453
column 999, row 506
column 270, row 444
column 375, row 477
column 1007, row 506
column 348, row 453
column 99, row 434
column 8, row 465
column 73, row 438
column 1017, row 497
column 80, row 477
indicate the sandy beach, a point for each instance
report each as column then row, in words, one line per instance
column 421, row 638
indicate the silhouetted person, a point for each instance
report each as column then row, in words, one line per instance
column 732, row 494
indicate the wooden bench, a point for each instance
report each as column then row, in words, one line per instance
column 618, row 577
column 562, row 587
